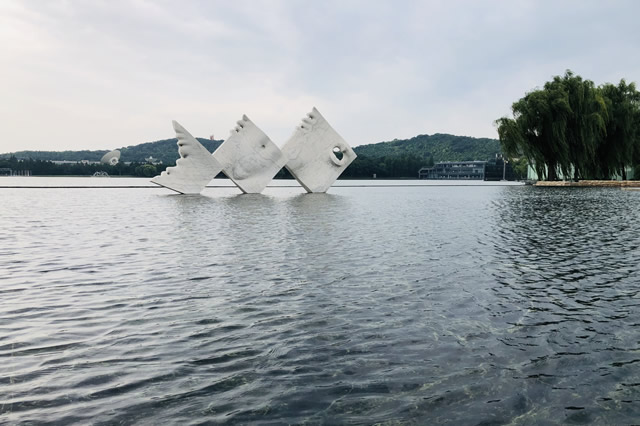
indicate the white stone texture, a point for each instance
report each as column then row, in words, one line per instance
column 310, row 153
column 111, row 158
column 194, row 169
column 249, row 158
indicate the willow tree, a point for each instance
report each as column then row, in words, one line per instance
column 537, row 130
column 621, row 145
column 557, row 128
column 585, row 125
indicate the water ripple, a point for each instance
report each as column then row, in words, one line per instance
column 418, row 305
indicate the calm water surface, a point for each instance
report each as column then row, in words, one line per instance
column 475, row 305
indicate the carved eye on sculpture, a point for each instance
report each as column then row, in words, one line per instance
column 338, row 153
column 269, row 151
column 337, row 156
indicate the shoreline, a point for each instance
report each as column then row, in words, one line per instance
column 591, row 184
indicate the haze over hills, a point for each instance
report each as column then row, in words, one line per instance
column 423, row 148
column 165, row 150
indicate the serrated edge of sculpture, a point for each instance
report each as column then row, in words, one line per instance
column 195, row 168
column 309, row 155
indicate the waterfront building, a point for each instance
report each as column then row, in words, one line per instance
column 492, row 170
column 470, row 170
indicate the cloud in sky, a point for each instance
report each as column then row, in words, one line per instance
column 106, row 74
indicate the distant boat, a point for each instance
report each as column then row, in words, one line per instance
column 100, row 174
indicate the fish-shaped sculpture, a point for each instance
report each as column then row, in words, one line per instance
column 249, row 158
column 316, row 153
column 195, row 168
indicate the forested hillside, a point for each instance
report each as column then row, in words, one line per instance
column 395, row 159
column 441, row 147
column 165, row 150
column 402, row 158
column 56, row 155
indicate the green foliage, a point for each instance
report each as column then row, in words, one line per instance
column 620, row 147
column 146, row 170
column 571, row 126
column 520, row 166
column 392, row 166
column 395, row 159
column 440, row 147
column 48, row 168
column 403, row 158
column 56, row 155
column 165, row 150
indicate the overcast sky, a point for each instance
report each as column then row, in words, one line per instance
column 106, row 74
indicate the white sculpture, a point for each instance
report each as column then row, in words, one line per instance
column 316, row 153
column 111, row 158
column 194, row 169
column 249, row 158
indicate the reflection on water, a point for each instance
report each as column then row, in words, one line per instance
column 569, row 261
column 480, row 305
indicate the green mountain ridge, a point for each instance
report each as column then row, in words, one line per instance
column 440, row 146
column 397, row 158
column 402, row 158
column 165, row 150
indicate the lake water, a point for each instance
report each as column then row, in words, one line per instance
column 478, row 305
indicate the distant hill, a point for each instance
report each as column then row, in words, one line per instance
column 402, row 158
column 397, row 158
column 165, row 150
column 56, row 155
column 439, row 147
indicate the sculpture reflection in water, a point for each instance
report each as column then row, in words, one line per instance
column 315, row 155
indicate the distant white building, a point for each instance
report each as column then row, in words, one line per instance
column 152, row 160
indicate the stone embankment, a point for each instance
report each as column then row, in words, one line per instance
column 594, row 183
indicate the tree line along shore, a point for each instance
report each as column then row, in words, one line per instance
column 397, row 159
column 572, row 129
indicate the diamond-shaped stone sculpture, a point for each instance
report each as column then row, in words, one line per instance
column 316, row 153
column 194, row 169
column 249, row 158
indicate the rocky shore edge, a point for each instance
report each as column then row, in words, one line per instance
column 593, row 183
